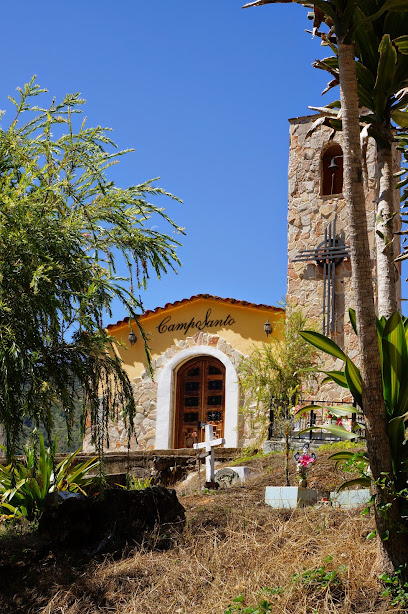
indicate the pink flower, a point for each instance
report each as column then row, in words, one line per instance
column 305, row 460
column 339, row 422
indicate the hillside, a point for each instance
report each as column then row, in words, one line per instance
column 309, row 561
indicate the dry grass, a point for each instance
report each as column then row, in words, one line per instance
column 232, row 544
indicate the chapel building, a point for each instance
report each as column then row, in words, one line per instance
column 198, row 343
column 196, row 347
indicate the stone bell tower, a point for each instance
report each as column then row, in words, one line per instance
column 319, row 267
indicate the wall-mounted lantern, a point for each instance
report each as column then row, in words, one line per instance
column 132, row 337
column 267, row 328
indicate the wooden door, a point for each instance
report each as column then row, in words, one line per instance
column 200, row 398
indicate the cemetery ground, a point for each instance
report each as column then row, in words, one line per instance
column 313, row 560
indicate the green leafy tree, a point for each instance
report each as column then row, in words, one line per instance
column 59, row 430
column 341, row 15
column 64, row 227
column 275, row 375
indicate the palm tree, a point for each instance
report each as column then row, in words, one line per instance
column 382, row 80
column 339, row 14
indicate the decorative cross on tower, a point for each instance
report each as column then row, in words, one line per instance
column 209, row 445
column 328, row 255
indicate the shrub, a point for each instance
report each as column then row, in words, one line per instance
column 25, row 483
column 139, row 483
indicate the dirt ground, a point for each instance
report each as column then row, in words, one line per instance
column 306, row 561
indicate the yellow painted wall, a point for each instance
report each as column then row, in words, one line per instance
column 246, row 331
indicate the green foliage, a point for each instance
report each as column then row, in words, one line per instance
column 274, row 375
column 381, row 65
column 59, row 431
column 24, row 484
column 275, row 590
column 310, row 579
column 248, row 454
column 64, row 229
column 320, row 577
column 353, row 462
column 340, row 445
column 396, row 586
column 393, row 343
column 380, row 47
column 138, row 483
column 279, row 369
column 237, row 607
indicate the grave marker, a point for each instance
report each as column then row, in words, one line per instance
column 209, row 445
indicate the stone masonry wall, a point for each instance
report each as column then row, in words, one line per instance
column 145, row 392
column 309, row 212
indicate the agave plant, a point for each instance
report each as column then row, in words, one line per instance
column 25, row 483
column 393, row 344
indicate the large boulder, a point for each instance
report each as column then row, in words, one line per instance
column 118, row 518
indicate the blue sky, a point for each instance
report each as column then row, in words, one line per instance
column 202, row 90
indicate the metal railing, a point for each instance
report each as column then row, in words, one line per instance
column 315, row 417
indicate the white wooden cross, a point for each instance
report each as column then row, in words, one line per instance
column 209, row 445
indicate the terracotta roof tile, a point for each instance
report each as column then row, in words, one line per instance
column 233, row 301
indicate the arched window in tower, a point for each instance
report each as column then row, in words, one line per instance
column 332, row 171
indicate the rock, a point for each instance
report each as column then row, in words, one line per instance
column 119, row 518
column 52, row 499
column 226, row 477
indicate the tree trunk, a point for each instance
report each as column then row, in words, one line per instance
column 395, row 549
column 386, row 288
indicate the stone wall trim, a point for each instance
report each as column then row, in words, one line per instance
column 165, row 396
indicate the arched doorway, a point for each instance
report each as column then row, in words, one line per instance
column 200, row 397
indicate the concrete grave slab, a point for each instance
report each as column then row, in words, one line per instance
column 290, row 497
column 349, row 499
